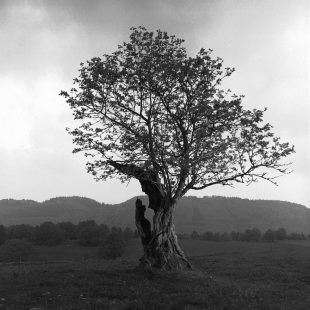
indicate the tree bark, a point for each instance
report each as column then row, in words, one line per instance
column 163, row 251
column 161, row 248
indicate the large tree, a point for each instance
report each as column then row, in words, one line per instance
column 151, row 112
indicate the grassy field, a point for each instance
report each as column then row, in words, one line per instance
column 226, row 275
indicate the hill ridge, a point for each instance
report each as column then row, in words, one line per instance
column 208, row 213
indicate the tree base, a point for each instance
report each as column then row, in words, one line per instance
column 172, row 262
column 161, row 248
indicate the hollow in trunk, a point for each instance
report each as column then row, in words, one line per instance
column 161, row 248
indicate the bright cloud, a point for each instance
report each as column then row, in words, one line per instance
column 43, row 42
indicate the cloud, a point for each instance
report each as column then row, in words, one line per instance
column 32, row 46
column 43, row 42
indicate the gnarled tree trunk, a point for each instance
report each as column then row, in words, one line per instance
column 163, row 251
column 161, row 248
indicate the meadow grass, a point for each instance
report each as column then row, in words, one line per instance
column 226, row 275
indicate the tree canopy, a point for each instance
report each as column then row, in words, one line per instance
column 150, row 109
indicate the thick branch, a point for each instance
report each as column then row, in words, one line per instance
column 148, row 179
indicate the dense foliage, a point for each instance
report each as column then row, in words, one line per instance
column 2, row 234
column 90, row 234
column 21, row 231
column 250, row 235
column 48, row 234
column 154, row 109
column 150, row 111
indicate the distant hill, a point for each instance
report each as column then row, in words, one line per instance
column 217, row 214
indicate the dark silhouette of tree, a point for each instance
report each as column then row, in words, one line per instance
column 21, row 231
column 225, row 237
column 208, row 236
column 142, row 224
column 88, row 233
column 269, row 236
column 2, row 234
column 251, row 235
column 235, row 235
column 216, row 236
column 195, row 235
column 48, row 233
column 280, row 234
column 151, row 112
column 69, row 230
column 104, row 231
column 296, row 236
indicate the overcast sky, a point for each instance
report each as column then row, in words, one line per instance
column 43, row 42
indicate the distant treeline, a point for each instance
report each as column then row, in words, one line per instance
column 87, row 233
column 248, row 235
column 17, row 241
